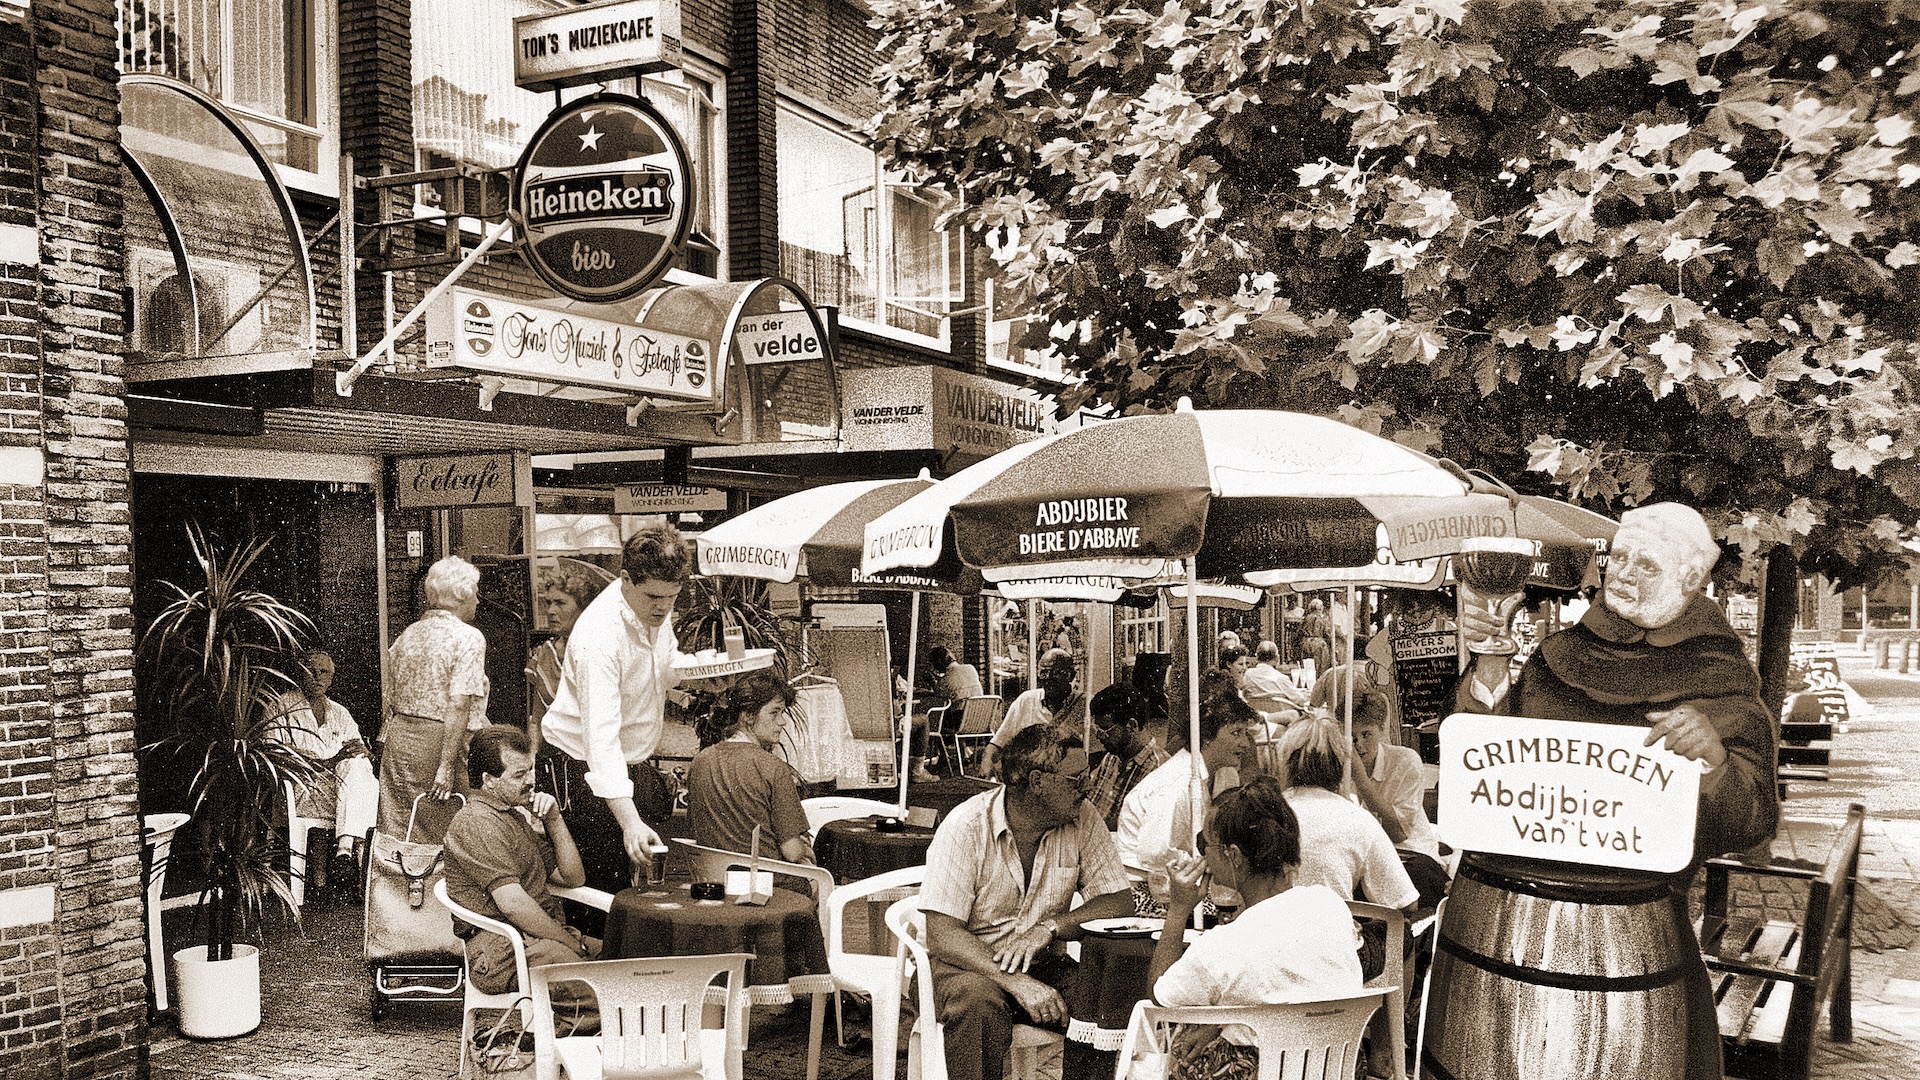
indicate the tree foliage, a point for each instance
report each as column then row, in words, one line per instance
column 1646, row 250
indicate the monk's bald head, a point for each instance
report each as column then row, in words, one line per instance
column 1661, row 557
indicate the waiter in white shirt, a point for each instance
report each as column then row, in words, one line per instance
column 607, row 716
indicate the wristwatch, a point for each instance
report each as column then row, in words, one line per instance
column 1052, row 928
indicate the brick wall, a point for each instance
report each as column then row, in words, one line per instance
column 376, row 128
column 75, row 989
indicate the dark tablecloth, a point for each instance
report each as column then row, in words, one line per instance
column 853, row 848
column 1101, row 996
column 790, row 953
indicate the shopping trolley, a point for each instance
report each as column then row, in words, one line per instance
column 411, row 950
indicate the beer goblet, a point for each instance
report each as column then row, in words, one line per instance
column 1492, row 571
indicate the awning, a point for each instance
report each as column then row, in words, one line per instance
column 215, row 263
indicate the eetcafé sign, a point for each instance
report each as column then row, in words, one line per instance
column 446, row 481
column 1566, row 791
column 583, row 44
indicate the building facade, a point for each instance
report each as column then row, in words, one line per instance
column 214, row 215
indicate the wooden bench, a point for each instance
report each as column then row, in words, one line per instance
column 1811, row 717
column 1770, row 978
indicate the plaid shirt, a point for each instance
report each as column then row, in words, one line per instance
column 1113, row 778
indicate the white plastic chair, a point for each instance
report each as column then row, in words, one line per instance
column 710, row 864
column 650, row 1009
column 159, row 830
column 477, row 998
column 1431, row 922
column 979, row 718
column 824, row 808
column 297, row 829
column 1392, row 978
column 927, row 1043
column 873, row 974
column 1314, row 1038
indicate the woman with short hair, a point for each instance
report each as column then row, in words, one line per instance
column 436, row 693
column 736, row 782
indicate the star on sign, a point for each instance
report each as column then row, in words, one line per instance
column 590, row 140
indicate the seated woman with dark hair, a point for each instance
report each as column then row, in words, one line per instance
column 1292, row 942
column 736, row 783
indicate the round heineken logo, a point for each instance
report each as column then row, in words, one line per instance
column 603, row 197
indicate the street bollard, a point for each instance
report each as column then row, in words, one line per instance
column 1906, row 656
column 1880, row 653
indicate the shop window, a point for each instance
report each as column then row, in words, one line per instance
column 467, row 110
column 269, row 62
column 856, row 235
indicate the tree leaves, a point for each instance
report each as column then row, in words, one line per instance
column 1647, row 249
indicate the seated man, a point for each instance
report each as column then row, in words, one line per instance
column 499, row 866
column 322, row 729
column 1057, row 701
column 1001, row 875
column 1131, row 752
column 953, row 683
column 1156, row 819
column 1270, row 690
column 1390, row 785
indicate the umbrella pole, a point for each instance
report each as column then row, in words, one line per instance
column 1353, row 630
column 906, row 721
column 1033, row 644
column 1196, row 787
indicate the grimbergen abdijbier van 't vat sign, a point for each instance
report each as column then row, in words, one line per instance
column 1566, row 791
column 603, row 197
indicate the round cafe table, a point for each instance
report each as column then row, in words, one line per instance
column 855, row 848
column 784, row 936
column 1101, row 995
column 789, row 949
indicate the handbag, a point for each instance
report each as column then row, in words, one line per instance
column 505, row 1048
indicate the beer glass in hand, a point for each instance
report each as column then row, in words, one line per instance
column 1492, row 572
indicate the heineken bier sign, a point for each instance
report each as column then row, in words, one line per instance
column 603, row 195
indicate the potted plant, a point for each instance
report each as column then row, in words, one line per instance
column 212, row 669
column 710, row 606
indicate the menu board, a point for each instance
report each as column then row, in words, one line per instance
column 1426, row 666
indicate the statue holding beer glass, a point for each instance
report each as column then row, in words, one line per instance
column 1594, row 971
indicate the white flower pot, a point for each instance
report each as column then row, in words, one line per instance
column 218, row 998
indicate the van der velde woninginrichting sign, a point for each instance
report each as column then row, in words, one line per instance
column 479, row 331
column 581, row 45
column 602, row 192
column 504, row 478
column 934, row 408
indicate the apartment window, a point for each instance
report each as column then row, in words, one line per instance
column 1010, row 314
column 267, row 61
column 467, row 110
column 854, row 234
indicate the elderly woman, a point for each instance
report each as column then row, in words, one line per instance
column 566, row 591
column 436, row 695
column 736, row 782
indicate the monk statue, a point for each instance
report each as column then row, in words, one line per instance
column 1610, row 981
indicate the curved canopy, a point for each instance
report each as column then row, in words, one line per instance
column 216, row 264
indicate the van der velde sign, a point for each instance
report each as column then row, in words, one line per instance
column 603, row 197
column 479, row 331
